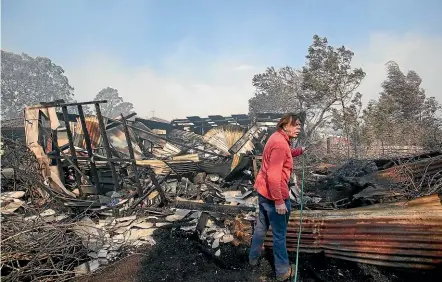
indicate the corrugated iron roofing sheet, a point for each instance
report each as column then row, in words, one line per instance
column 179, row 164
column 92, row 128
column 117, row 139
column 186, row 135
column 405, row 234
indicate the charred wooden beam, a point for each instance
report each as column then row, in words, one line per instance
column 111, row 124
column 132, row 156
column 71, row 145
column 106, row 145
column 94, row 158
column 137, row 202
column 90, row 153
column 189, row 205
column 158, row 187
column 60, row 103
column 57, row 153
column 74, row 166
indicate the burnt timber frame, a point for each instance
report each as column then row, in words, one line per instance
column 106, row 146
column 87, row 139
column 200, row 125
column 167, row 139
column 73, row 158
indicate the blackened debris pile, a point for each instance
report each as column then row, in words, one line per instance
column 101, row 186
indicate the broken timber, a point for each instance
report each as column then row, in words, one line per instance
column 132, row 156
column 189, row 205
column 167, row 139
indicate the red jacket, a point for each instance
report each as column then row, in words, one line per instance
column 276, row 168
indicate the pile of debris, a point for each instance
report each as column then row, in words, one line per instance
column 41, row 243
column 100, row 187
column 86, row 192
column 365, row 182
column 54, row 243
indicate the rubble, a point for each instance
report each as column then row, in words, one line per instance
column 85, row 191
column 11, row 201
column 366, row 182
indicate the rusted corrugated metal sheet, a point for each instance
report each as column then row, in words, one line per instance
column 405, row 234
column 158, row 166
column 92, row 128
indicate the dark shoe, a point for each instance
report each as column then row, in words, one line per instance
column 290, row 274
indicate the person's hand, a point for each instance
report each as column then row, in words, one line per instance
column 281, row 209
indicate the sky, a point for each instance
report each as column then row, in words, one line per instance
column 175, row 58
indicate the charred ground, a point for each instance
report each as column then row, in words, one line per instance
column 180, row 257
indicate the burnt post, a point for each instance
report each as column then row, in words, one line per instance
column 71, row 145
column 202, row 222
column 158, row 187
column 132, row 156
column 107, row 146
column 57, row 154
column 87, row 140
column 142, row 147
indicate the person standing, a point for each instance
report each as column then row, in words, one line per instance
column 273, row 194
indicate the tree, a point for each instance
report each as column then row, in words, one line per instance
column 403, row 115
column 115, row 105
column 325, row 88
column 348, row 119
column 28, row 81
column 277, row 91
column 280, row 91
column 332, row 82
column 403, row 93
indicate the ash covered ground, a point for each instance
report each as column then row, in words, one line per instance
column 180, row 257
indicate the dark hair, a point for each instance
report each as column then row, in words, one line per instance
column 288, row 118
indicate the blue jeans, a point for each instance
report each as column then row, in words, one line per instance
column 269, row 217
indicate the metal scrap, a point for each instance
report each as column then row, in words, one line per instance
column 403, row 234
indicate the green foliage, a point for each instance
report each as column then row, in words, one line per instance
column 329, row 76
column 277, row 91
column 403, row 115
column 28, row 81
column 324, row 88
column 328, row 72
column 115, row 104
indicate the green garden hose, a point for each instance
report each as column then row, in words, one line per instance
column 300, row 220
